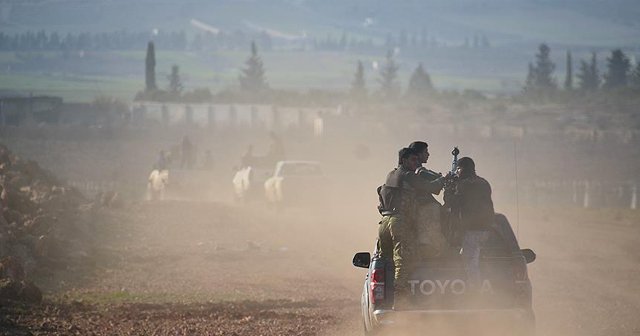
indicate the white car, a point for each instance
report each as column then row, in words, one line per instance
column 295, row 182
column 248, row 182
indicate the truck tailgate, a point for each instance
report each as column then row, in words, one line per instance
column 444, row 285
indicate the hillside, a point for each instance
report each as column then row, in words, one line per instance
column 481, row 45
column 589, row 23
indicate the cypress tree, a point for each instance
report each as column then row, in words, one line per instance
column 635, row 77
column 252, row 78
column 589, row 75
column 568, row 80
column 595, row 73
column 544, row 69
column 529, row 83
column 175, row 83
column 618, row 66
column 584, row 76
column 540, row 81
column 388, row 75
column 150, row 68
column 419, row 83
column 358, row 86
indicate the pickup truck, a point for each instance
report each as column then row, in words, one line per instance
column 439, row 293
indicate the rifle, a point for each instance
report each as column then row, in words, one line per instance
column 450, row 224
column 454, row 164
column 451, row 177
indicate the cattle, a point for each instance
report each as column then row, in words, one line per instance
column 242, row 183
column 158, row 180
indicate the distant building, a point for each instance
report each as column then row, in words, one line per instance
column 19, row 110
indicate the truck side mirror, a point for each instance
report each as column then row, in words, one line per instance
column 529, row 255
column 362, row 259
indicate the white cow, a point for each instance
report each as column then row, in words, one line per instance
column 242, row 183
column 158, row 180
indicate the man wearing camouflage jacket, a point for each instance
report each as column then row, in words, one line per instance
column 398, row 206
column 431, row 241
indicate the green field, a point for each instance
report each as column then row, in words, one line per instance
column 121, row 74
column 71, row 88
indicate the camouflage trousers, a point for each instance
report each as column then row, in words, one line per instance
column 397, row 241
column 430, row 240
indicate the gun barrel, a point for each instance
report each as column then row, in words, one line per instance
column 454, row 164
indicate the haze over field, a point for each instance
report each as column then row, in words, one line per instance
column 146, row 148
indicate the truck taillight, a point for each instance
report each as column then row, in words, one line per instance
column 376, row 286
column 377, row 276
column 520, row 270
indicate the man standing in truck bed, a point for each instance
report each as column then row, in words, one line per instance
column 431, row 241
column 471, row 205
column 398, row 202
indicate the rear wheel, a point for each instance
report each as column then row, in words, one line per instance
column 524, row 327
column 529, row 325
column 366, row 318
column 370, row 332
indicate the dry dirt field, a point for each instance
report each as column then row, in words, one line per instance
column 198, row 268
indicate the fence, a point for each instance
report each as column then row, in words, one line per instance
column 585, row 194
column 91, row 189
column 228, row 115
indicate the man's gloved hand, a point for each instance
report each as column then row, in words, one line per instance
column 423, row 170
column 450, row 181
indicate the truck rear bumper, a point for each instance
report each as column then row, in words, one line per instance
column 386, row 318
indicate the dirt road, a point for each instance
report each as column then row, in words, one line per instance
column 587, row 276
column 173, row 268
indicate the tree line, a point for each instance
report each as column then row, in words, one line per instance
column 118, row 40
column 253, row 85
column 619, row 75
column 223, row 40
column 540, row 81
column 403, row 40
column 125, row 40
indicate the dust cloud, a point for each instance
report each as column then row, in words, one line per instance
column 200, row 262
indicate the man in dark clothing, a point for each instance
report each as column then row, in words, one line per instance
column 188, row 154
column 162, row 163
column 248, row 158
column 397, row 233
column 276, row 149
column 471, row 197
column 471, row 205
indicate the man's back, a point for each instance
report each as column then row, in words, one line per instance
column 395, row 194
column 472, row 200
